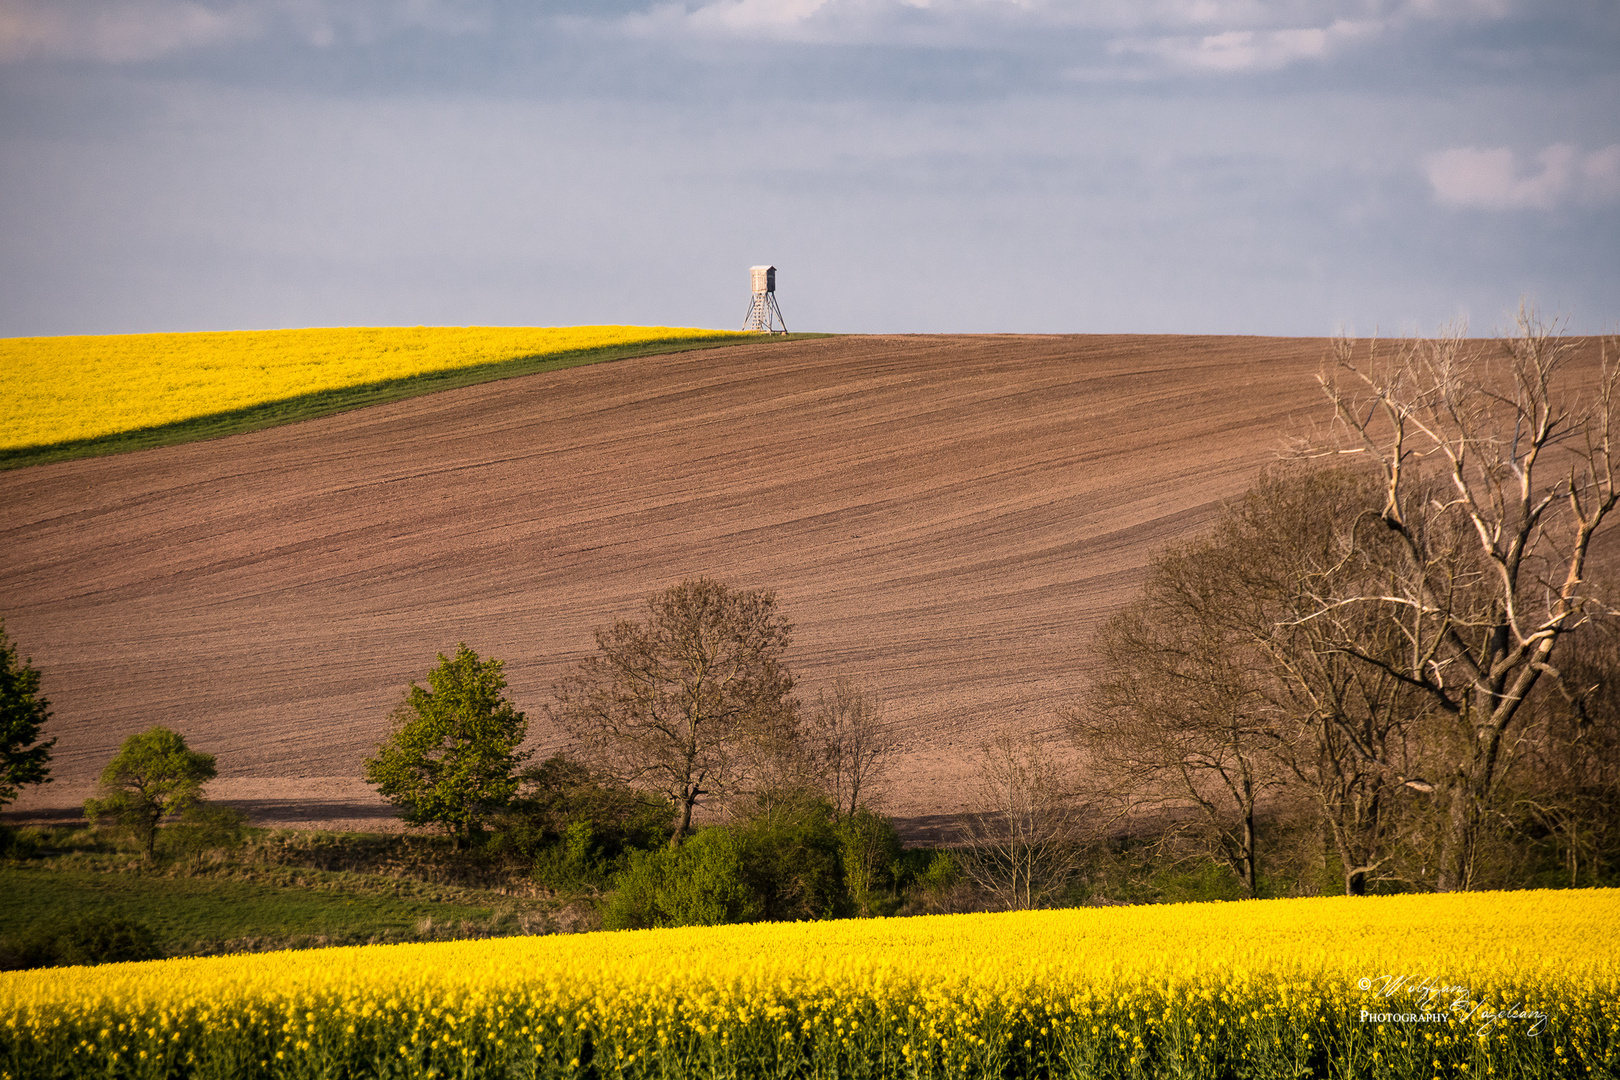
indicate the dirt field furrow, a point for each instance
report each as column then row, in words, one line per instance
column 947, row 517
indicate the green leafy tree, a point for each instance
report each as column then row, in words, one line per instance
column 154, row 776
column 452, row 760
column 870, row 850
column 23, row 758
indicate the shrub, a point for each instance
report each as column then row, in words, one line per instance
column 792, row 861
column 869, row 852
column 205, row 828
column 700, row 883
column 561, row 792
column 573, row 860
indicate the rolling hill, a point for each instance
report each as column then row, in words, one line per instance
column 947, row 517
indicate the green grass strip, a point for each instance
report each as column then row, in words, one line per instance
column 204, row 914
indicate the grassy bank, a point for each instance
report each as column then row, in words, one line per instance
column 198, row 916
column 277, row 890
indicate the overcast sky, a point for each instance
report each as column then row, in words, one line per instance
column 1233, row 166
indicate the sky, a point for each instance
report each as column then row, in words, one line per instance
column 1295, row 167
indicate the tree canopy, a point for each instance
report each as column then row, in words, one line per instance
column 154, row 776
column 23, row 711
column 1497, row 475
column 1416, row 647
column 1216, row 691
column 852, row 742
column 689, row 701
column 453, row 757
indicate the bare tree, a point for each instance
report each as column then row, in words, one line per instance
column 1178, row 723
column 1495, row 481
column 689, row 701
column 1213, row 694
column 854, row 743
column 1349, row 730
column 1564, row 773
column 1024, row 834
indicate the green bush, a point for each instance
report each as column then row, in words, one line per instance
column 942, row 872
column 793, row 862
column 205, row 828
column 869, row 852
column 700, row 883
column 930, row 882
column 574, row 828
column 18, row 844
column 573, row 861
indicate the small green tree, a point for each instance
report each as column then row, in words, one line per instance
column 23, row 758
column 154, row 776
column 453, row 757
column 870, row 849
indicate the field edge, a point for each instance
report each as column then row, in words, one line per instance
column 330, row 402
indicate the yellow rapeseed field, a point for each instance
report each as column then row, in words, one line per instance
column 1522, row 984
column 57, row 389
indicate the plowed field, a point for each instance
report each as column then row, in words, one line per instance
column 947, row 517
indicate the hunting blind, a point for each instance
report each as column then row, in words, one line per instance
column 763, row 315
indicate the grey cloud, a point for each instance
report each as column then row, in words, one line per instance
column 1205, row 165
column 1497, row 178
column 130, row 31
column 125, row 31
column 1276, row 31
column 1199, row 35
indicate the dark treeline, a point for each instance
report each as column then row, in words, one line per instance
column 1409, row 660
column 1231, row 724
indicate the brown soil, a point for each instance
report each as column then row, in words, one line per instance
column 947, row 517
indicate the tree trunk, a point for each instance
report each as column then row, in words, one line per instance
column 1251, row 867
column 1471, row 789
column 1355, row 873
column 682, row 827
column 1455, row 872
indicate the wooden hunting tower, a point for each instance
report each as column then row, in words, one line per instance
column 763, row 314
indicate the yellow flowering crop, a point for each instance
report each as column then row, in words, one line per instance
column 1507, row 984
column 58, row 389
